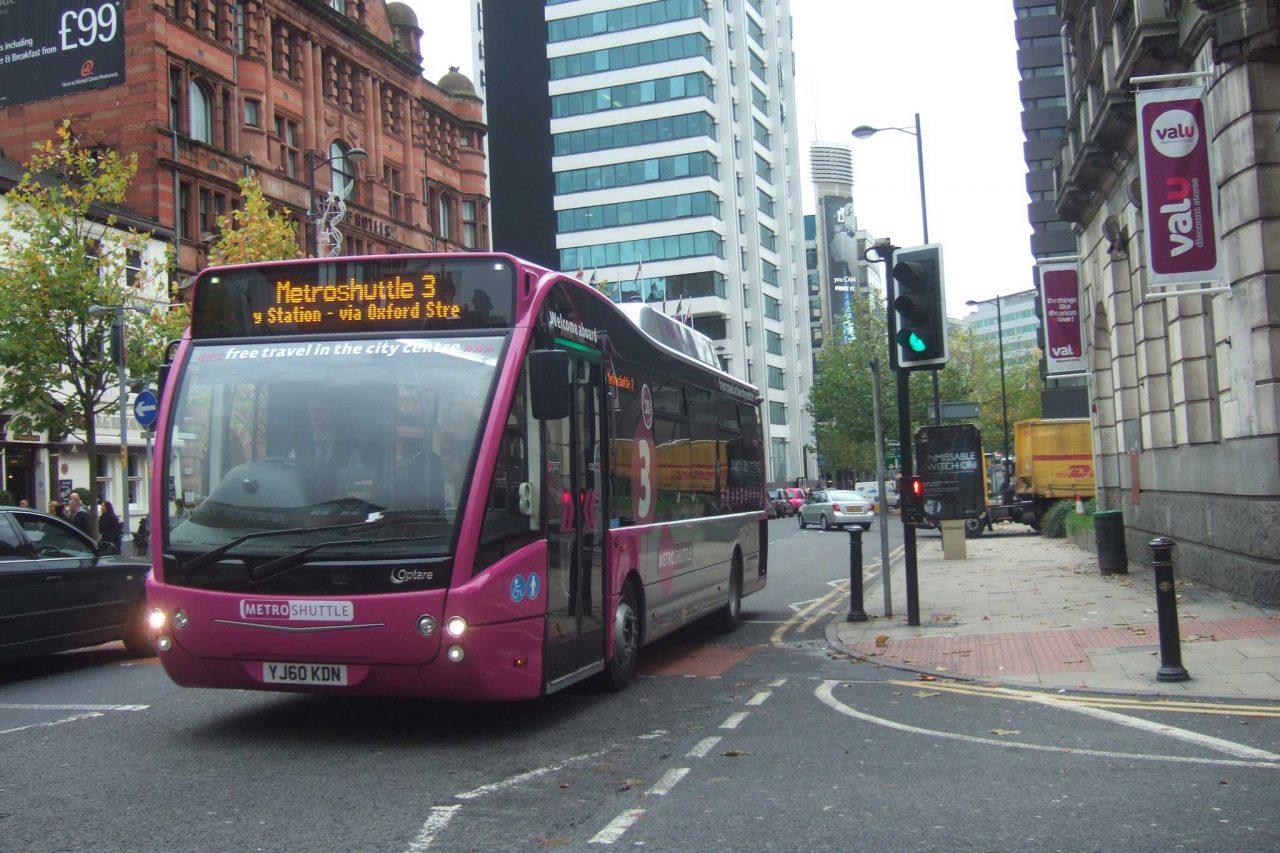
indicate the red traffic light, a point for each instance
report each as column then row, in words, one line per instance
column 916, row 488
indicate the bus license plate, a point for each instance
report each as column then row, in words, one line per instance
column 305, row 673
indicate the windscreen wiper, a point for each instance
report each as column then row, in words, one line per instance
column 208, row 558
column 289, row 562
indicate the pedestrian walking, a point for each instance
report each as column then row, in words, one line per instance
column 55, row 508
column 142, row 539
column 78, row 515
column 110, row 528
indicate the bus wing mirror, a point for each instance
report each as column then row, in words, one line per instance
column 549, row 384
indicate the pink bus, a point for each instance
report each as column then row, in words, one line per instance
column 456, row 476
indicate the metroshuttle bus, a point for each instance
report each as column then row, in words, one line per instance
column 456, row 476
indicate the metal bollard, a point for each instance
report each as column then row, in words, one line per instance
column 1171, row 668
column 856, row 613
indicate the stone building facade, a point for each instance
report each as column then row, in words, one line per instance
column 286, row 90
column 1184, row 389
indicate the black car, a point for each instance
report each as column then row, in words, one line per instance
column 58, row 592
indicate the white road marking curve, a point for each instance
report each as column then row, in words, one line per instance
column 824, row 692
column 439, row 819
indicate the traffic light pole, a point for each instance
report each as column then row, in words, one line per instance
column 884, row 250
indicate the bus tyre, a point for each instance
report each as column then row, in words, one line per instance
column 136, row 640
column 973, row 528
column 621, row 667
column 727, row 617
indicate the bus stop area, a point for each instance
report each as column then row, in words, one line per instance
column 1027, row 611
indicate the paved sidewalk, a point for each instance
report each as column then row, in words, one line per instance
column 1029, row 611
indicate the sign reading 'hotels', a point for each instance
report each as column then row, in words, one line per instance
column 50, row 48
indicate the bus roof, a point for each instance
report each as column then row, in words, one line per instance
column 671, row 333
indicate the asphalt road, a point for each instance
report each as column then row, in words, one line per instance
column 765, row 739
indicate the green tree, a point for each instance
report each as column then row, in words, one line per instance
column 62, row 252
column 253, row 232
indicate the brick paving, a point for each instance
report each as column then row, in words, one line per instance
column 1036, row 612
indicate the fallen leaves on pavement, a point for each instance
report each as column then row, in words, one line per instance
column 882, row 640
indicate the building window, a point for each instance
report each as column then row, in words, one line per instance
column 638, row 212
column 201, row 113
column 444, row 216
column 470, row 224
column 777, row 378
column 632, row 94
column 628, row 252
column 764, row 169
column 765, row 202
column 287, row 134
column 777, row 413
column 636, row 172
column 133, row 267
column 769, row 273
column 768, row 239
column 175, row 98
column 772, row 308
column 252, row 112
column 633, row 133
column 342, row 170
column 772, row 342
column 631, row 56
column 627, row 18
column 759, row 100
column 759, row 132
column 391, row 177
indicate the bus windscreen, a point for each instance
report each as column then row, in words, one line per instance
column 349, row 295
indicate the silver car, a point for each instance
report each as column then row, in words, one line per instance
column 832, row 508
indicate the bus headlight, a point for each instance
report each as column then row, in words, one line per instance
column 426, row 625
column 156, row 619
column 456, row 626
column 456, row 654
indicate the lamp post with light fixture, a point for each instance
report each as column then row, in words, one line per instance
column 866, row 131
column 353, row 155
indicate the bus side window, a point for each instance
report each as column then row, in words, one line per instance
column 509, row 521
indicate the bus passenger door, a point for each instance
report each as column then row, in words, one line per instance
column 573, row 498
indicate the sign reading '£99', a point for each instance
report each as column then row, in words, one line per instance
column 51, row 48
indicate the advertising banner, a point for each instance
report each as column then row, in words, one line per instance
column 949, row 459
column 1060, row 308
column 51, row 48
column 839, row 232
column 1180, row 196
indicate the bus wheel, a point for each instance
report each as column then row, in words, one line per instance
column 973, row 528
column 621, row 668
column 727, row 617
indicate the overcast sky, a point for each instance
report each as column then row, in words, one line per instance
column 878, row 63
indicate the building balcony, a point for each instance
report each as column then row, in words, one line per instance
column 1146, row 41
column 1244, row 30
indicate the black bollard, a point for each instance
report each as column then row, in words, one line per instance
column 856, row 613
column 1171, row 668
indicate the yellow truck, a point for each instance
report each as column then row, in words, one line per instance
column 1053, row 461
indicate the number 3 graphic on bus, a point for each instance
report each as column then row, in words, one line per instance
column 642, row 466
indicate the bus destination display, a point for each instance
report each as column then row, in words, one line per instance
column 350, row 295
column 356, row 302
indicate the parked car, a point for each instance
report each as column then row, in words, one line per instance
column 58, row 591
column 778, row 505
column 872, row 490
column 796, row 497
column 832, row 508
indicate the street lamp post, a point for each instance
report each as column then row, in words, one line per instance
column 116, row 312
column 1004, row 400
column 353, row 155
column 866, row 131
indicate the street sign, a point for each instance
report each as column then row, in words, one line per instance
column 145, row 408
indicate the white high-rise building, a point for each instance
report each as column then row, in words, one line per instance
column 651, row 146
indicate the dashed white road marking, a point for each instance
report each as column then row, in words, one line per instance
column 777, row 682
column 703, row 747
column 825, row 694
column 617, row 827
column 732, row 721
column 438, row 820
column 759, row 698
column 668, row 781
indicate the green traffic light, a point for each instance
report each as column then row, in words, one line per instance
column 912, row 341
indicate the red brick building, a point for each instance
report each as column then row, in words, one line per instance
column 288, row 90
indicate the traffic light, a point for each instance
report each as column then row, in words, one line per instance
column 911, row 499
column 921, row 308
